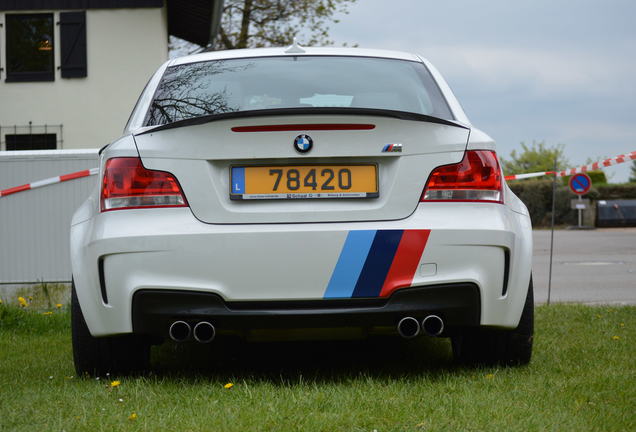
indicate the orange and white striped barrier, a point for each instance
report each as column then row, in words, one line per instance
column 49, row 181
column 585, row 168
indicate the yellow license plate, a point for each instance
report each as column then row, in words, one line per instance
column 304, row 182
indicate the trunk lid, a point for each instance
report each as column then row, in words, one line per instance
column 201, row 157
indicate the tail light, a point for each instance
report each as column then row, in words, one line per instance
column 127, row 184
column 476, row 178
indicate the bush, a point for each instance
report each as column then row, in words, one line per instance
column 617, row 191
column 598, row 178
column 537, row 196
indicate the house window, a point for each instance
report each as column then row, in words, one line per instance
column 29, row 47
column 31, row 141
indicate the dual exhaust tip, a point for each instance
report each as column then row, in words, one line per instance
column 409, row 327
column 203, row 332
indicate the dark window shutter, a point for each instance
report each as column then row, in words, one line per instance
column 73, row 44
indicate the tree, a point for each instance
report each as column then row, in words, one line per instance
column 262, row 23
column 535, row 158
column 632, row 177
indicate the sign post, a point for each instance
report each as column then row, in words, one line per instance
column 580, row 184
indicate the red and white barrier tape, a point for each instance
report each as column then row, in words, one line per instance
column 571, row 171
column 585, row 168
column 48, row 181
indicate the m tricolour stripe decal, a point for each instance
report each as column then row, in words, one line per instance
column 377, row 264
column 352, row 257
column 405, row 261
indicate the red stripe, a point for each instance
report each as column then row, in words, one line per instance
column 75, row 175
column 303, row 127
column 620, row 159
column 595, row 166
column 512, row 177
column 15, row 190
column 606, row 162
column 405, row 261
column 632, row 155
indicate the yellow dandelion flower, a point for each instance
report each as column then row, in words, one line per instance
column 115, row 383
column 59, row 305
column 616, row 337
column 0, row 301
column 490, row 376
column 47, row 313
column 22, row 302
column 621, row 324
column 228, row 386
column 133, row 416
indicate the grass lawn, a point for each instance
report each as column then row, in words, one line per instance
column 582, row 378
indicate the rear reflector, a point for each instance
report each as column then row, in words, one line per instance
column 127, row 184
column 476, row 178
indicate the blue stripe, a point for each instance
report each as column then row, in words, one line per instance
column 238, row 180
column 378, row 263
column 349, row 265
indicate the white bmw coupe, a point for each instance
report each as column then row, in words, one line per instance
column 329, row 191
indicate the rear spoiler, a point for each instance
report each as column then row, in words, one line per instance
column 402, row 115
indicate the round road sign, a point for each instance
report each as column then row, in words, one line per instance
column 580, row 184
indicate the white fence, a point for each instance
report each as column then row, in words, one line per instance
column 34, row 224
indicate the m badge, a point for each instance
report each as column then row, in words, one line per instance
column 392, row 148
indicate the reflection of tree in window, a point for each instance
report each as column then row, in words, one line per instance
column 191, row 90
column 295, row 82
column 30, row 46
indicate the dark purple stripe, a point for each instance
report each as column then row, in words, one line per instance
column 378, row 263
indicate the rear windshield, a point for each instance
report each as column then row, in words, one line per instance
column 265, row 83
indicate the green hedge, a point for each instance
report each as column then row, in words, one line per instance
column 617, row 191
column 537, row 196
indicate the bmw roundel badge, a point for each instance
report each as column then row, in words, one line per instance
column 303, row 143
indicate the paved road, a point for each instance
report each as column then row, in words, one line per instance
column 591, row 267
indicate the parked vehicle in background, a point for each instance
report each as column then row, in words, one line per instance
column 300, row 188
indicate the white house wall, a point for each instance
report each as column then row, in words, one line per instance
column 124, row 48
column 35, row 224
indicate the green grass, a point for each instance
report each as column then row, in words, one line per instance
column 580, row 378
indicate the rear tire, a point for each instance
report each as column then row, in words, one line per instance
column 115, row 355
column 495, row 347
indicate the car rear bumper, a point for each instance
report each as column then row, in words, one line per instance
column 153, row 311
column 118, row 254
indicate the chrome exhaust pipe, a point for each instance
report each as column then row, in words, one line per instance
column 433, row 325
column 204, row 332
column 408, row 327
column 179, row 331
